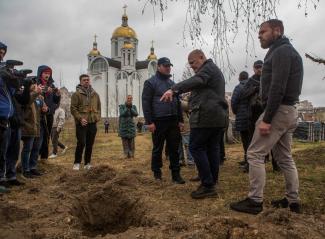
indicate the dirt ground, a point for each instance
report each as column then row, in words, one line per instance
column 118, row 198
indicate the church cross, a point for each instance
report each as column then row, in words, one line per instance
column 125, row 6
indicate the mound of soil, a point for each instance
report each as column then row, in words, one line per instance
column 12, row 213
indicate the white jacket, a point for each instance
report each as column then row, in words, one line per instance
column 59, row 118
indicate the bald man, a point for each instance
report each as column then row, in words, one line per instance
column 208, row 118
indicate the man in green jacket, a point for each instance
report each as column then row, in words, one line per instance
column 86, row 110
column 127, row 126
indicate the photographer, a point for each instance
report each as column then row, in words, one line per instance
column 52, row 99
column 11, row 97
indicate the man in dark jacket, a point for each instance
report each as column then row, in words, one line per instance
column 240, row 109
column 52, row 99
column 208, row 118
column 163, row 119
column 281, row 83
column 11, row 97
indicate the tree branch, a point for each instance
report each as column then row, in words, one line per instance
column 318, row 60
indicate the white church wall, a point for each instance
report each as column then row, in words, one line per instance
column 98, row 83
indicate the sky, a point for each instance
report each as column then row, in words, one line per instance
column 60, row 34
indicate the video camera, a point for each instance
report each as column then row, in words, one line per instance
column 15, row 78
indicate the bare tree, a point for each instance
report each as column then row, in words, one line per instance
column 187, row 73
column 315, row 59
column 228, row 18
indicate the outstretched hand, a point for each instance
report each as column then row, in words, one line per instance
column 167, row 96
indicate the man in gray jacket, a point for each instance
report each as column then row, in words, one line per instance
column 208, row 118
column 281, row 83
column 58, row 123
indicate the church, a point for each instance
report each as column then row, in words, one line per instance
column 122, row 74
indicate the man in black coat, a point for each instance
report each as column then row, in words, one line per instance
column 163, row 119
column 208, row 118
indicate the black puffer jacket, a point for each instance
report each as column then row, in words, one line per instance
column 153, row 108
column 240, row 107
column 207, row 102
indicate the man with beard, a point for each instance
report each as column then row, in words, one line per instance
column 281, row 83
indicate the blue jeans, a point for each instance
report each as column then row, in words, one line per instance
column 8, row 170
column 205, row 149
column 5, row 138
column 186, row 142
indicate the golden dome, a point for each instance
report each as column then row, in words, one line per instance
column 128, row 45
column 152, row 56
column 124, row 32
column 94, row 52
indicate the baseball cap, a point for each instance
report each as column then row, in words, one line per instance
column 258, row 63
column 164, row 61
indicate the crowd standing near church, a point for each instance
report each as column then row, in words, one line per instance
column 264, row 105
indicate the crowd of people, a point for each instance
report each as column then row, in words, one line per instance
column 189, row 116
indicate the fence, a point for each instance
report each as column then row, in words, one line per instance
column 306, row 130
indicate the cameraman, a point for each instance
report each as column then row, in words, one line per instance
column 52, row 99
column 11, row 97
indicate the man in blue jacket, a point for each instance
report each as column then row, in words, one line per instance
column 281, row 83
column 11, row 97
column 163, row 120
column 6, row 110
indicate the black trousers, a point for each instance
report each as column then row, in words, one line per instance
column 165, row 130
column 44, row 151
column 85, row 139
column 205, row 149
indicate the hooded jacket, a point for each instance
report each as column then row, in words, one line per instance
column 52, row 100
column 85, row 103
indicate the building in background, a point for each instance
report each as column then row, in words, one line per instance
column 122, row 74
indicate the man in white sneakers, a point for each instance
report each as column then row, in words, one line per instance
column 58, row 123
column 85, row 108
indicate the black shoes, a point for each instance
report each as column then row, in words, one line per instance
column 157, row 175
column 28, row 175
column 15, row 182
column 284, row 203
column 248, row 206
column 204, row 192
column 176, row 177
column 35, row 173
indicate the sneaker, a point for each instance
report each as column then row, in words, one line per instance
column 248, row 206
column 28, row 175
column 4, row 189
column 195, row 179
column 64, row 150
column 35, row 172
column 53, row 156
column 15, row 182
column 284, row 203
column 204, row 192
column 76, row 166
column 157, row 175
column 87, row 166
